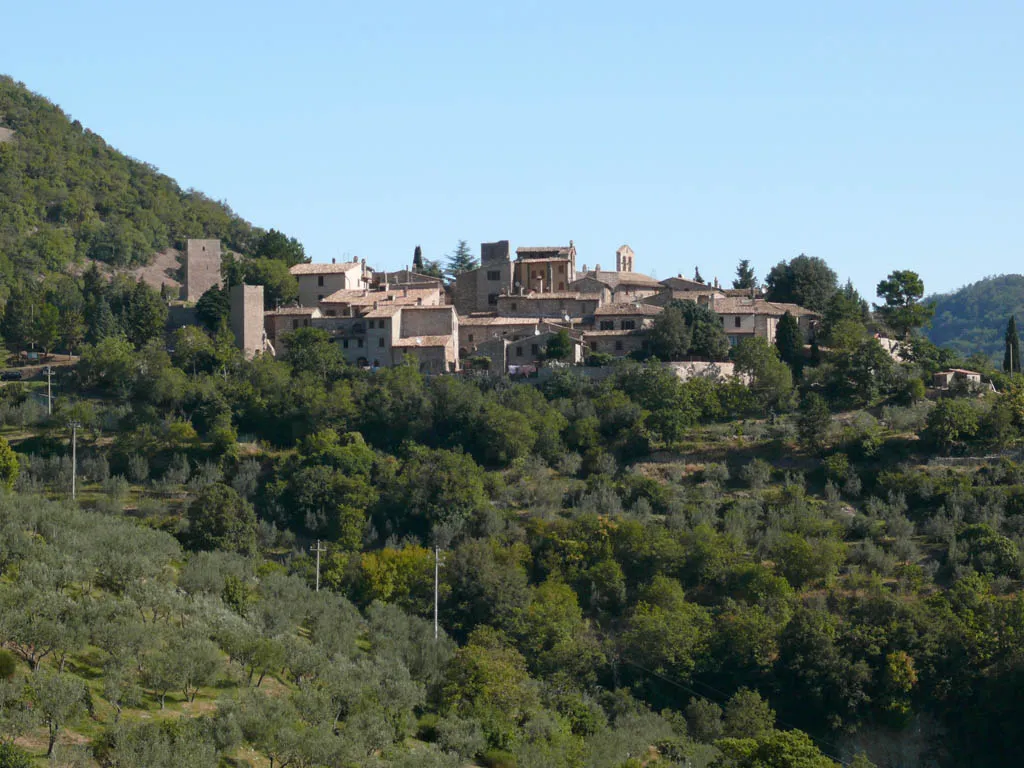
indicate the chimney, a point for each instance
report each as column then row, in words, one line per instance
column 405, row 292
column 333, row 261
column 375, row 305
column 355, row 259
column 597, row 268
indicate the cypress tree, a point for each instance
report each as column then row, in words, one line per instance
column 790, row 341
column 417, row 259
column 1011, row 355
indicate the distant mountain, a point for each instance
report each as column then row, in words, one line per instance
column 65, row 194
column 973, row 319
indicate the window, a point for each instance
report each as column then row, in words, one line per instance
column 380, row 342
column 359, row 343
column 344, row 343
column 734, row 340
column 492, row 299
column 738, row 322
column 561, row 286
column 519, row 351
column 295, row 324
column 628, row 325
column 721, row 319
column 594, row 346
column 469, row 337
column 371, row 324
column 618, row 346
column 306, row 322
column 320, row 297
column 534, row 349
column 493, row 274
column 320, row 281
column 330, row 313
column 514, row 306
column 607, row 325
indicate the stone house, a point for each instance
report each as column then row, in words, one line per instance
column 558, row 304
column 317, row 281
column 278, row 323
column 353, row 303
column 625, row 316
column 478, row 289
column 946, row 379
column 544, row 269
column 743, row 317
column 618, row 343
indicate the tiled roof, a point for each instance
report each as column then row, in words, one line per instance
column 613, row 279
column 484, row 321
column 635, row 332
column 290, row 311
column 554, row 295
column 561, row 250
column 647, row 310
column 386, row 310
column 424, row 341
column 735, row 305
column 362, row 297
column 325, row 269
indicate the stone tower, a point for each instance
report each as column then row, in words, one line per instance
column 247, row 319
column 624, row 259
column 201, row 268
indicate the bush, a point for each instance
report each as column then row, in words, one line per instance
column 8, row 665
column 14, row 757
column 756, row 474
column 498, row 758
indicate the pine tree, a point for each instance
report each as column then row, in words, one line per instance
column 460, row 261
column 1011, row 357
column 745, row 277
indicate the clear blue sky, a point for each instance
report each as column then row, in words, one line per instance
column 878, row 135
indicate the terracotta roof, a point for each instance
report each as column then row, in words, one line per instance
column 613, row 279
column 647, row 310
column 553, row 295
column 635, row 332
column 735, row 305
column 325, row 269
column 561, row 250
column 424, row 341
column 484, row 321
column 285, row 311
column 384, row 311
column 361, row 297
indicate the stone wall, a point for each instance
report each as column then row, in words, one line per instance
column 201, row 269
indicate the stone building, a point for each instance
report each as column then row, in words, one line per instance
column 625, row 317
column 200, row 268
column 544, row 269
column 278, row 323
column 618, row 343
column 478, row 289
column 558, row 304
column 354, row 303
column 743, row 317
column 317, row 281
column 247, row 321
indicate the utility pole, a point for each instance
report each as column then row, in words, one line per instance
column 49, row 390
column 74, row 454
column 318, row 550
column 437, row 573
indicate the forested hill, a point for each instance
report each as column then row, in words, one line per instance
column 973, row 319
column 66, row 194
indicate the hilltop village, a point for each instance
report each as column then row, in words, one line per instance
column 499, row 316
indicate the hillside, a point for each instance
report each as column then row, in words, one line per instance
column 66, row 195
column 973, row 319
